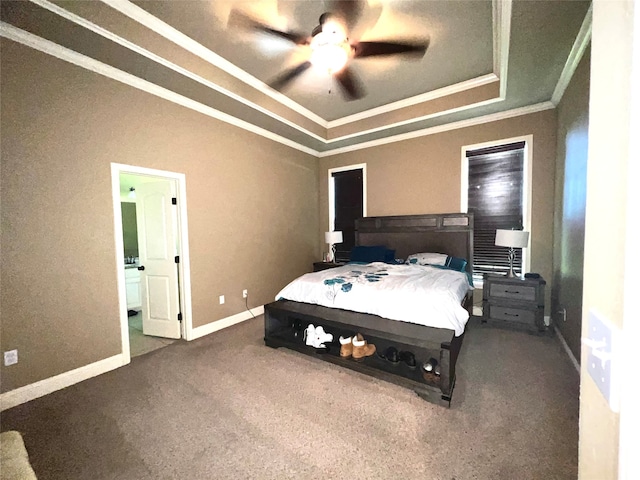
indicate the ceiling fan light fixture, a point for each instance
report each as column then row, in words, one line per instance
column 330, row 49
column 331, row 58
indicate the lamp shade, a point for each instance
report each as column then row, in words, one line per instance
column 333, row 237
column 512, row 238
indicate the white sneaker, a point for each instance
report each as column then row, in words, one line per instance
column 321, row 337
column 310, row 335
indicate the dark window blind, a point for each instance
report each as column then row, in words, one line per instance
column 495, row 198
column 348, row 208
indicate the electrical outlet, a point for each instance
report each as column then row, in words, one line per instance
column 10, row 357
column 221, row 299
column 245, row 293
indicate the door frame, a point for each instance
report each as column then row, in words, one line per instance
column 184, row 269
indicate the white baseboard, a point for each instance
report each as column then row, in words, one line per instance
column 568, row 350
column 35, row 390
column 225, row 322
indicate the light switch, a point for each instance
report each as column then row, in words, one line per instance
column 602, row 345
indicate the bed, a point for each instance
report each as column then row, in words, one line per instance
column 430, row 341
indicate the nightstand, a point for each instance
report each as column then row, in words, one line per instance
column 514, row 302
column 318, row 266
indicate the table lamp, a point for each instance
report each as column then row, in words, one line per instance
column 512, row 239
column 332, row 238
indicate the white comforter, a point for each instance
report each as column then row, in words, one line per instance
column 411, row 293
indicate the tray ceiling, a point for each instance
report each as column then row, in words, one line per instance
column 484, row 58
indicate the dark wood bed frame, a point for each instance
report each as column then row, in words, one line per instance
column 450, row 233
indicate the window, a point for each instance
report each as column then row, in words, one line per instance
column 497, row 194
column 347, row 194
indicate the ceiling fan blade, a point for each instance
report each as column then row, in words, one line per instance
column 242, row 20
column 350, row 83
column 288, row 76
column 349, row 10
column 372, row 49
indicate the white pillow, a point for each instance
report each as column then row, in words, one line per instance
column 427, row 259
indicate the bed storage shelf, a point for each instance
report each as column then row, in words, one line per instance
column 285, row 322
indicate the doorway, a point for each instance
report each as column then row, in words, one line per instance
column 152, row 258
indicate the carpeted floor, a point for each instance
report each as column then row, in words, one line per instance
column 227, row 407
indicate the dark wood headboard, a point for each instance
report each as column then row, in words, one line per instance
column 449, row 233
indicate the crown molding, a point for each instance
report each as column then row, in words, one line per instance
column 575, row 55
column 408, row 102
column 68, row 55
column 501, row 41
column 13, row 33
column 33, row 41
column 149, row 21
column 167, row 31
column 501, row 38
column 72, row 17
column 415, row 119
column 155, row 24
column 493, row 117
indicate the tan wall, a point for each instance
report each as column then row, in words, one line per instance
column 252, row 209
column 422, row 175
column 571, row 202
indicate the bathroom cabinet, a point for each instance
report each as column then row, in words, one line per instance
column 132, row 286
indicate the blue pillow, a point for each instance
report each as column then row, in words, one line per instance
column 455, row 263
column 375, row 253
column 390, row 256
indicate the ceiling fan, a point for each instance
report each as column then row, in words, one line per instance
column 331, row 50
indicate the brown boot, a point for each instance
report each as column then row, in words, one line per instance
column 361, row 348
column 346, row 347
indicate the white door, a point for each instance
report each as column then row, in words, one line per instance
column 157, row 237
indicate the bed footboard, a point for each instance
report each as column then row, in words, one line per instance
column 285, row 322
